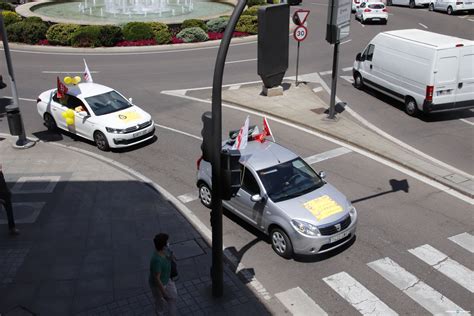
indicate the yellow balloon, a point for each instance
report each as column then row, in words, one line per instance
column 69, row 121
column 69, row 113
column 64, row 114
column 67, row 80
column 77, row 79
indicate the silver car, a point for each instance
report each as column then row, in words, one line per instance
column 282, row 196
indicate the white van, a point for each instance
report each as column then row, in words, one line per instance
column 427, row 71
column 410, row 3
column 451, row 6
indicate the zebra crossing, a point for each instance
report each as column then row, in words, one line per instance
column 433, row 301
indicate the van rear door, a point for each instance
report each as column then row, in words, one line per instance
column 445, row 79
column 465, row 87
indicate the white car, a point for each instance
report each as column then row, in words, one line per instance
column 451, row 6
column 97, row 113
column 372, row 11
column 410, row 3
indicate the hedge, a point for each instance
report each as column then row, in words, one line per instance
column 6, row 6
column 135, row 31
column 60, row 34
column 247, row 24
column 27, row 32
column 161, row 32
column 252, row 3
column 110, row 35
column 33, row 19
column 217, row 25
column 10, row 17
column 86, row 36
column 251, row 11
column 194, row 23
column 193, row 34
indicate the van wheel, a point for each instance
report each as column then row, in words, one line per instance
column 281, row 243
column 410, row 106
column 205, row 195
column 50, row 123
column 358, row 82
column 389, row 2
column 449, row 10
column 101, row 141
column 431, row 7
column 412, row 4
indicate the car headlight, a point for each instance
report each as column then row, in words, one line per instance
column 305, row 228
column 114, row 130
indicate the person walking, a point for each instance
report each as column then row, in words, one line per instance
column 6, row 200
column 162, row 287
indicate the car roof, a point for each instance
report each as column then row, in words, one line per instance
column 87, row 89
column 264, row 155
column 429, row 38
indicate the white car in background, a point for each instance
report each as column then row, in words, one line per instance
column 372, row 11
column 97, row 113
column 451, row 6
column 410, row 3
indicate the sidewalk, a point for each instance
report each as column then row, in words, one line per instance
column 303, row 107
column 86, row 239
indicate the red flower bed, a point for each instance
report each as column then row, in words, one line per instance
column 137, row 43
column 43, row 42
column 217, row 36
column 175, row 40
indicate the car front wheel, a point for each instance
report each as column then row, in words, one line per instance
column 50, row 123
column 101, row 141
column 358, row 83
column 205, row 195
column 281, row 243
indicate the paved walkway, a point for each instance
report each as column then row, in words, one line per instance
column 86, row 239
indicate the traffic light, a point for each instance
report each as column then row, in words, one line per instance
column 231, row 173
column 206, row 132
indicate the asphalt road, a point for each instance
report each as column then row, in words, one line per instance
column 391, row 221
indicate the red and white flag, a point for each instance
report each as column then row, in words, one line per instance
column 87, row 74
column 266, row 129
column 242, row 137
column 62, row 89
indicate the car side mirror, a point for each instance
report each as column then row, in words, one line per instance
column 322, row 175
column 359, row 57
column 256, row 198
column 82, row 114
column 130, row 100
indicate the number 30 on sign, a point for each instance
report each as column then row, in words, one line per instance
column 300, row 33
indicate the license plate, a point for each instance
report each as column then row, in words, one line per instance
column 375, row 19
column 339, row 237
column 140, row 133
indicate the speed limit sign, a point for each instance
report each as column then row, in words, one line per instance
column 300, row 33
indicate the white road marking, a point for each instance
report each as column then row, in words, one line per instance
column 463, row 17
column 464, row 240
column 178, row 131
column 240, row 61
column 317, row 89
column 450, row 268
column 357, row 295
column 423, row 25
column 466, row 121
column 324, row 73
column 433, row 301
column 362, row 25
column 21, row 99
column 234, row 87
column 348, row 78
column 327, row 155
column 358, row 150
column 321, row 4
column 66, row 72
column 188, row 197
column 345, row 42
column 299, row 303
column 347, row 69
column 472, row 20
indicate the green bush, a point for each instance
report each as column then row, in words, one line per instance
column 194, row 23
column 60, row 34
column 157, row 26
column 27, row 32
column 161, row 32
column 217, row 25
column 6, row 6
column 10, row 17
column 110, row 35
column 251, row 3
column 33, row 19
column 193, row 34
column 135, row 31
column 247, row 24
column 86, row 36
column 251, row 11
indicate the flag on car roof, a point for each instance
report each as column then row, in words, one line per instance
column 87, row 73
column 266, row 128
column 62, row 89
column 241, row 140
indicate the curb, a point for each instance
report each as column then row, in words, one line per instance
column 250, row 282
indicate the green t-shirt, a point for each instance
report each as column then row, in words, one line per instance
column 162, row 265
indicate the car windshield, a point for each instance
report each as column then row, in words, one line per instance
column 289, row 180
column 107, row 103
column 376, row 6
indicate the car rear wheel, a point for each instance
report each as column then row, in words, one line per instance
column 281, row 243
column 205, row 195
column 431, row 7
column 410, row 106
column 412, row 4
column 449, row 10
column 358, row 82
column 101, row 141
column 50, row 123
column 389, row 2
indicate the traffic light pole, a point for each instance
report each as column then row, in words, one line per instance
column 335, row 63
column 217, row 269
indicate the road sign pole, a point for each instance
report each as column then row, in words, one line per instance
column 297, row 61
column 335, row 62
